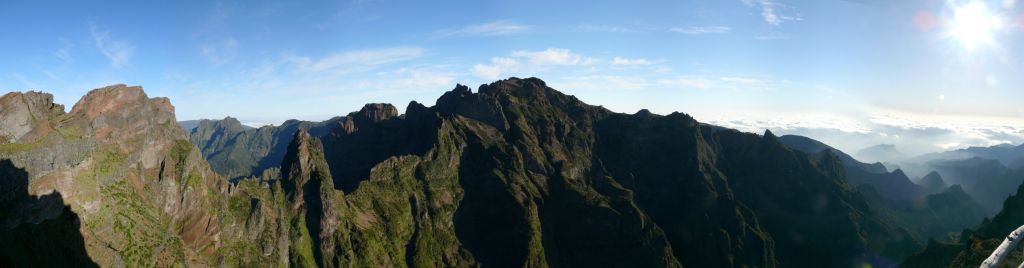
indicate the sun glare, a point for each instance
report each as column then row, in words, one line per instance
column 974, row 24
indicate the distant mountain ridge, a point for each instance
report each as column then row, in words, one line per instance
column 189, row 125
column 238, row 151
column 881, row 153
column 974, row 245
column 1011, row 156
column 929, row 211
column 812, row 146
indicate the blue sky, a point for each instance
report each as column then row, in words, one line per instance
column 853, row 73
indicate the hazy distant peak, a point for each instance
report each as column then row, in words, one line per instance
column 881, row 153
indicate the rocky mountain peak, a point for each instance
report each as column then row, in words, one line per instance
column 371, row 113
column 21, row 113
column 228, row 125
column 231, row 122
column 304, row 162
column 108, row 99
column 121, row 151
column 933, row 183
column 129, row 109
column 415, row 108
column 376, row 112
column 529, row 87
column 899, row 173
column 644, row 112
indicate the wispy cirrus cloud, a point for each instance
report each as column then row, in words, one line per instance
column 119, row 52
column 26, row 82
column 695, row 30
column 771, row 36
column 358, row 57
column 498, row 66
column 406, row 81
column 495, row 28
column 602, row 82
column 219, row 53
column 770, row 11
column 707, row 82
column 521, row 61
column 606, row 29
column 64, row 52
column 629, row 62
column 554, row 56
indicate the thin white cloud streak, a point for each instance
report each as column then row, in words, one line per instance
column 771, row 37
column 496, row 28
column 498, row 66
column 358, row 58
column 606, row 29
column 628, row 61
column 602, row 83
column 410, row 79
column 553, row 56
column 697, row 30
column 736, row 83
column 53, row 76
column 522, row 61
column 64, row 52
column 25, row 82
column 63, row 55
column 119, row 52
column 769, row 11
column 221, row 52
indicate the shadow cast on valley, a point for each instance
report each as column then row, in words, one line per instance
column 37, row 231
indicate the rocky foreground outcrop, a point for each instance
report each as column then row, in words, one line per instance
column 140, row 192
column 515, row 174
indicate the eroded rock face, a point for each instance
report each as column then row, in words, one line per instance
column 143, row 194
column 23, row 113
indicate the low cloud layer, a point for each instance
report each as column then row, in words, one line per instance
column 912, row 135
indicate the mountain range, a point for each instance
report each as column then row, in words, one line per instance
column 514, row 174
column 237, row 151
column 930, row 210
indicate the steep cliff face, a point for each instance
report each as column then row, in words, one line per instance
column 25, row 114
column 119, row 161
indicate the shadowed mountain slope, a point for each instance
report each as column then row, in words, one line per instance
column 515, row 174
column 928, row 213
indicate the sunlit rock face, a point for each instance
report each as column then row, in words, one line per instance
column 139, row 192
